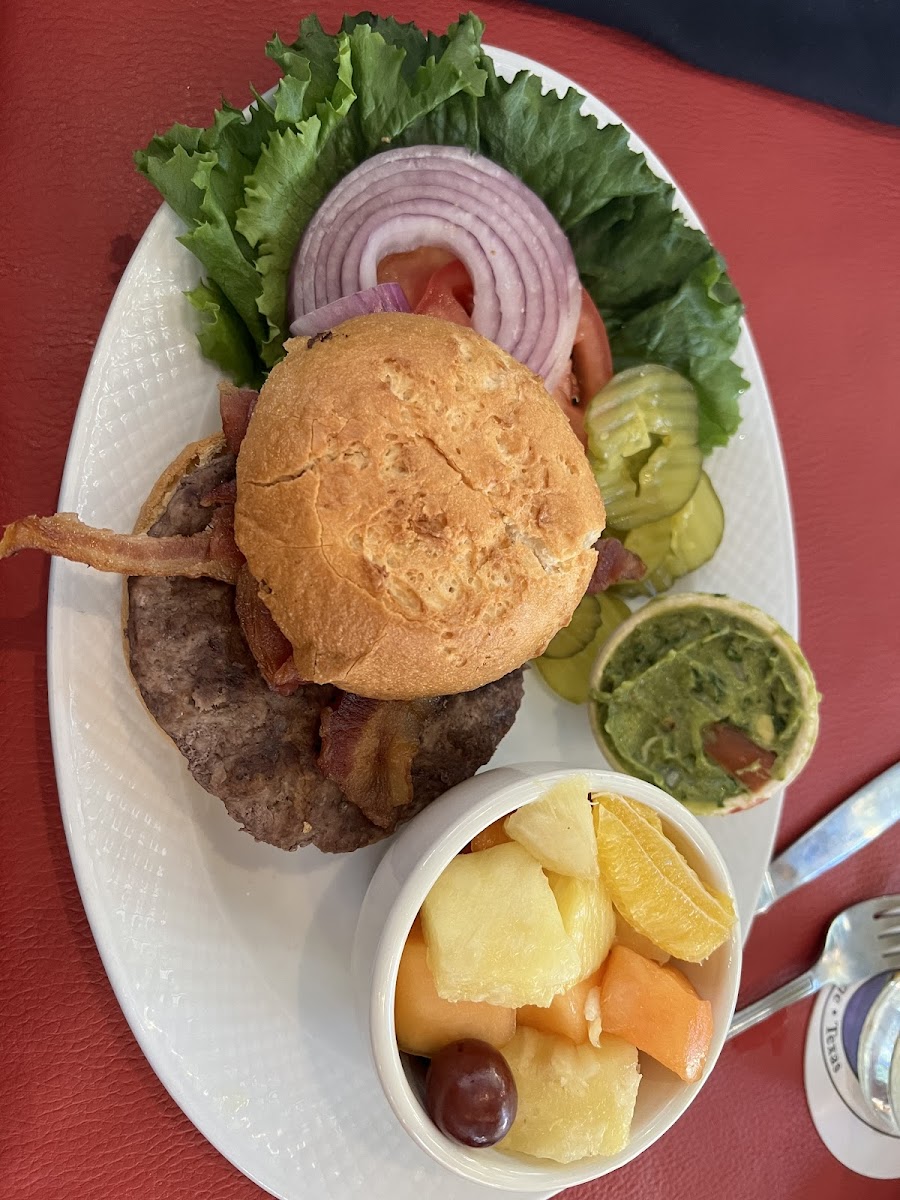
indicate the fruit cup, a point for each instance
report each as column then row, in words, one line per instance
column 412, row 864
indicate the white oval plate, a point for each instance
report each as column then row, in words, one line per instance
column 230, row 959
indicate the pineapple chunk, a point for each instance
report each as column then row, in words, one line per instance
column 588, row 917
column 626, row 936
column 558, row 829
column 574, row 1101
column 494, row 932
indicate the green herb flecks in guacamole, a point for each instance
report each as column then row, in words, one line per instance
column 677, row 677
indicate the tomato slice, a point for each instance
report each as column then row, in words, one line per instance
column 449, row 295
column 592, row 362
column 567, row 397
column 413, row 270
column 435, row 283
column 591, row 368
column 739, row 755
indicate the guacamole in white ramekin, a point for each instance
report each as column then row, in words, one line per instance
column 708, row 698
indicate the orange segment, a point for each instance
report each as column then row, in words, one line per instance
column 626, row 936
column 665, row 856
column 656, row 1009
column 644, row 810
column 494, row 835
column 654, row 888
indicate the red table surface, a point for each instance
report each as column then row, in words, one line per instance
column 803, row 202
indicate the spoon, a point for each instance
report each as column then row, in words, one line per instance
column 861, row 941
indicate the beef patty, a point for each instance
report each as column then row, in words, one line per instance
column 257, row 750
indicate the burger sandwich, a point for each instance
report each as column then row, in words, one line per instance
column 329, row 603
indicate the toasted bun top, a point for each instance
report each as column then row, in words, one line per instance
column 415, row 507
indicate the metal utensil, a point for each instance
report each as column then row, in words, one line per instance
column 861, row 941
column 879, row 1058
column 859, row 820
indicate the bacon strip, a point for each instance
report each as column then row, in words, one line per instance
column 287, row 679
column 236, row 407
column 222, row 493
column 222, row 546
column 368, row 747
column 614, row 564
column 273, row 652
column 211, row 554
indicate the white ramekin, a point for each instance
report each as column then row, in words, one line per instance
column 411, row 865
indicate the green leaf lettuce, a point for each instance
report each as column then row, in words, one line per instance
column 247, row 187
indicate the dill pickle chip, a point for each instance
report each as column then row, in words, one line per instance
column 676, row 545
column 580, row 631
column 697, row 530
column 570, row 676
column 642, row 442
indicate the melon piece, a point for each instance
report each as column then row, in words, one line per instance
column 568, row 1012
column 494, row 932
column 627, row 936
column 425, row 1023
column 558, row 829
column 493, row 835
column 656, row 1009
column 574, row 1101
column 588, row 917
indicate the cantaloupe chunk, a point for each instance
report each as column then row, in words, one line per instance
column 494, row 931
column 425, row 1023
column 567, row 1014
column 656, row 1009
column 494, row 835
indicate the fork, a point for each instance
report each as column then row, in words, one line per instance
column 861, row 941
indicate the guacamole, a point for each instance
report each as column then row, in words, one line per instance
column 678, row 677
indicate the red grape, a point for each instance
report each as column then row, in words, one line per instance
column 470, row 1093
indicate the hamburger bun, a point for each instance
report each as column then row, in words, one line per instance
column 415, row 507
column 192, row 457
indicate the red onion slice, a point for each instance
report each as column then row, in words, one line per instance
column 491, row 266
column 527, row 294
column 383, row 297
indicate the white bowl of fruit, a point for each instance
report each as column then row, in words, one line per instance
column 546, row 964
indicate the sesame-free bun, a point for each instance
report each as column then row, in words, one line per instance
column 415, row 507
column 194, row 455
